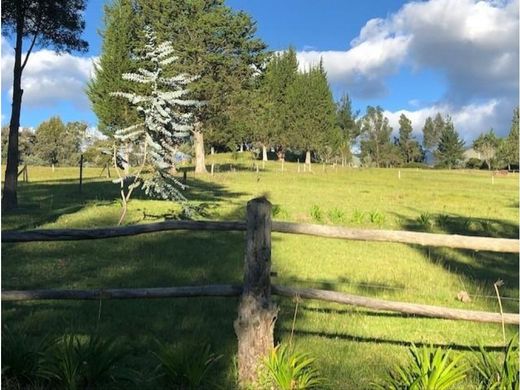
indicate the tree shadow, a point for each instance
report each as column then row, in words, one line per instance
column 479, row 267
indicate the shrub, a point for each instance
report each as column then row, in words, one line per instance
column 425, row 221
column 187, row 368
column 73, row 362
column 21, row 358
column 289, row 370
column 336, row 216
column 358, row 217
column 376, row 217
column 428, row 369
column 316, row 214
column 495, row 373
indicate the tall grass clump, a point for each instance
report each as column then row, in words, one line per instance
column 497, row 372
column 186, row 368
column 428, row 369
column 288, row 370
column 336, row 216
column 316, row 214
column 358, row 217
column 426, row 222
column 377, row 218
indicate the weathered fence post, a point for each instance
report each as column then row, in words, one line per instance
column 256, row 312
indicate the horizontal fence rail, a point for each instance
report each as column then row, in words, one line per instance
column 228, row 290
column 490, row 244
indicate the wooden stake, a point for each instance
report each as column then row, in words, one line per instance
column 80, row 173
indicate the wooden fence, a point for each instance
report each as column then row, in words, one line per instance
column 257, row 312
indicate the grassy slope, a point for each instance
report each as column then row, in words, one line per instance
column 353, row 346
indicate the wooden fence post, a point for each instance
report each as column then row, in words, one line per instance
column 80, row 173
column 256, row 312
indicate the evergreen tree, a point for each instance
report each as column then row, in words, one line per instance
column 451, row 147
column 166, row 121
column 509, row 148
column 312, row 112
column 280, row 74
column 119, row 43
column 214, row 42
column 57, row 24
column 486, row 144
column 375, row 132
column 346, row 120
column 409, row 147
column 432, row 132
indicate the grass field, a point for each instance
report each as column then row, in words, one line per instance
column 353, row 346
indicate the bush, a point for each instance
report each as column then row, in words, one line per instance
column 188, row 368
column 495, row 373
column 429, row 368
column 336, row 216
column 316, row 214
column 289, row 370
column 474, row 163
column 416, row 165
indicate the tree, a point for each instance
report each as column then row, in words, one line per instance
column 451, row 147
column 214, row 42
column 486, row 144
column 119, row 42
column 408, row 146
column 432, row 132
column 508, row 150
column 166, row 122
column 58, row 143
column 46, row 23
column 312, row 112
column 375, row 133
column 346, row 120
column 25, row 144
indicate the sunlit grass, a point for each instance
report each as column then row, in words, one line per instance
column 353, row 346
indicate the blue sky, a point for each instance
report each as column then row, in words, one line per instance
column 458, row 57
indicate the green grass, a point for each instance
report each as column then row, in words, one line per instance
column 353, row 346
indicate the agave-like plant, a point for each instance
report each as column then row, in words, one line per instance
column 495, row 373
column 21, row 358
column 186, row 368
column 429, row 369
column 288, row 370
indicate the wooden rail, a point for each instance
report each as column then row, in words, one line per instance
column 229, row 290
column 405, row 237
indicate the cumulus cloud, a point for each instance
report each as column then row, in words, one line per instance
column 470, row 120
column 474, row 44
column 49, row 78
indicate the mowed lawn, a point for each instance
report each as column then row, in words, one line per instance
column 353, row 346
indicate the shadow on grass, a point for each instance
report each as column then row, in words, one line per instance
column 376, row 340
column 482, row 268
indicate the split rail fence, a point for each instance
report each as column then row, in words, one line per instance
column 257, row 312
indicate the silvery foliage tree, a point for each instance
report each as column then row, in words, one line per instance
column 167, row 122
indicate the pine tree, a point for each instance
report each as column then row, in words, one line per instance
column 375, row 131
column 512, row 149
column 166, row 121
column 432, row 132
column 409, row 147
column 119, row 43
column 349, row 128
column 451, row 147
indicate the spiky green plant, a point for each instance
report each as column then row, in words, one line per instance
column 316, row 214
column 377, row 218
column 186, row 368
column 21, row 358
column 358, row 217
column 429, row 369
column 288, row 370
column 77, row 363
column 336, row 216
column 495, row 373
column 425, row 220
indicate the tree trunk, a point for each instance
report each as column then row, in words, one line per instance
column 308, row 159
column 241, row 147
column 212, row 150
column 264, row 153
column 10, row 199
column 198, row 138
column 126, row 164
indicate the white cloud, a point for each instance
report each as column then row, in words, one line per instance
column 469, row 120
column 474, row 44
column 49, row 78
